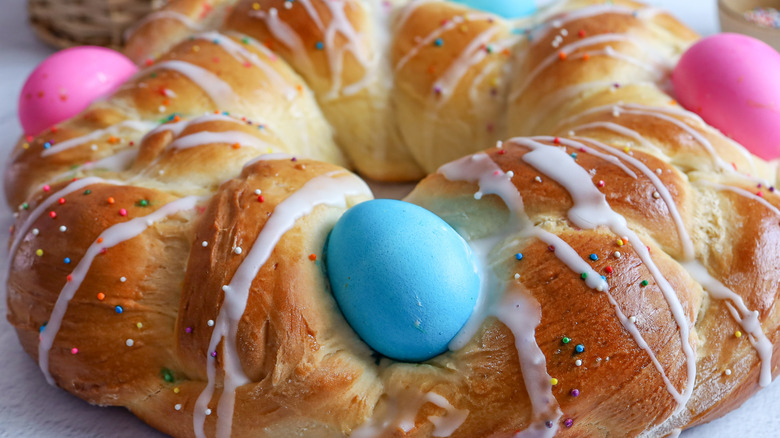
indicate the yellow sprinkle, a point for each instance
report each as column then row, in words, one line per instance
column 620, row 242
column 626, row 149
column 39, row 252
column 464, row 28
column 738, row 334
column 139, row 325
column 26, row 146
column 176, row 390
column 494, row 82
column 256, row 6
column 195, row 48
column 554, row 381
column 270, row 151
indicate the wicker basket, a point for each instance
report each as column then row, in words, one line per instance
column 66, row 23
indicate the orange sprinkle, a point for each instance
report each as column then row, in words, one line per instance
column 672, row 102
column 166, row 102
column 236, row 146
column 149, row 61
column 100, row 240
column 101, row 296
column 176, row 118
column 586, row 56
column 113, row 140
column 299, row 87
column 562, row 55
column 110, row 200
column 431, row 70
column 506, row 52
column 312, row 257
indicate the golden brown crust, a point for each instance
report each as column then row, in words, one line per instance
column 662, row 169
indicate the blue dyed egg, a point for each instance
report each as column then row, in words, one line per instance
column 403, row 278
column 504, row 8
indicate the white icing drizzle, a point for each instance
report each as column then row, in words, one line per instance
column 591, row 210
column 401, row 410
column 118, row 162
column 162, row 15
column 112, row 236
column 176, row 128
column 578, row 14
column 227, row 137
column 471, row 55
column 20, row 232
column 332, row 190
column 242, row 55
column 430, row 38
column 521, row 314
column 660, row 187
column 586, row 42
column 284, row 33
column 407, row 12
column 746, row 318
column 622, row 130
column 219, row 91
column 744, row 193
column 134, row 125
column 675, row 433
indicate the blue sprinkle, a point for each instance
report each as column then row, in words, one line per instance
column 519, row 256
column 319, row 45
column 43, row 327
column 579, row 348
column 215, row 41
column 119, row 309
column 604, row 277
column 574, row 155
column 225, row 113
column 67, row 260
column 594, row 257
column 439, row 42
column 47, row 145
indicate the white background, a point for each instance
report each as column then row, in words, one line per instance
column 31, row 408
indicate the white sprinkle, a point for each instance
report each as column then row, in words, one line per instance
column 225, row 288
column 659, row 171
column 35, row 232
column 600, row 288
column 63, row 228
column 656, row 195
column 500, row 144
column 564, row 32
column 288, row 5
column 728, row 371
column 238, row 250
column 517, row 276
column 94, row 147
column 258, row 192
column 123, row 279
column 632, row 319
column 615, row 111
column 578, row 362
column 129, row 342
column 572, row 134
column 538, row 179
column 477, row 157
column 204, row 244
column 210, row 323
column 557, row 24
column 617, row 254
column 478, row 195
column 149, row 222
column 160, row 172
column 208, row 411
column 510, row 174
column 177, row 406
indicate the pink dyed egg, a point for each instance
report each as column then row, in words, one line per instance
column 67, row 82
column 733, row 82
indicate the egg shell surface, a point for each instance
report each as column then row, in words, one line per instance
column 733, row 82
column 66, row 83
column 503, row 8
column 403, row 278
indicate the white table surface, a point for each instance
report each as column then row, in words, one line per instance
column 31, row 408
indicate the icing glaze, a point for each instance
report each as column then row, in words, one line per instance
column 111, row 237
column 188, row 22
column 332, row 190
column 219, row 91
column 131, row 125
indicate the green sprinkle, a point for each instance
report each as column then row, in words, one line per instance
column 644, row 283
column 584, row 275
column 566, row 340
column 87, row 192
column 245, row 40
column 26, row 206
column 167, row 375
column 142, row 203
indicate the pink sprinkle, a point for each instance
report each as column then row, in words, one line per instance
column 74, row 350
column 568, row 422
column 760, row 194
column 122, row 212
column 601, row 183
column 496, row 173
column 188, row 330
column 213, row 354
column 46, row 188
